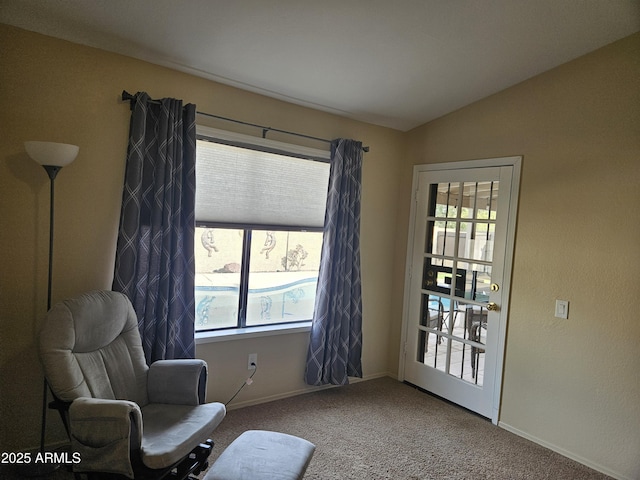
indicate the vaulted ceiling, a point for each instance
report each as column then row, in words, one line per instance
column 394, row 63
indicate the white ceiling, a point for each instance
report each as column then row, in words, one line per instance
column 396, row 63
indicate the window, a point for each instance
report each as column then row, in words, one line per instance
column 259, row 220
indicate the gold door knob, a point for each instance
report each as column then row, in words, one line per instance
column 492, row 306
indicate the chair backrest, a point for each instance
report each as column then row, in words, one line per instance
column 90, row 347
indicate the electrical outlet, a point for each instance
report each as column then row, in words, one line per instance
column 253, row 359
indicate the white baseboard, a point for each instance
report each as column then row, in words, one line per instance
column 564, row 453
column 301, row 391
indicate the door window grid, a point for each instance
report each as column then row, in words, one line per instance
column 452, row 339
column 451, row 218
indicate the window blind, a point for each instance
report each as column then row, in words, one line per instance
column 250, row 187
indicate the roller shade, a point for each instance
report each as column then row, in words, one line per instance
column 250, row 187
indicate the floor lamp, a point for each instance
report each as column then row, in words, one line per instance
column 52, row 156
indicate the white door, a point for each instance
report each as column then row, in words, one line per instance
column 456, row 292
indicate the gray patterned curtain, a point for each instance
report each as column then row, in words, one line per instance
column 154, row 258
column 335, row 346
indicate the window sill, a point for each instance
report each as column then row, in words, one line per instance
column 251, row 332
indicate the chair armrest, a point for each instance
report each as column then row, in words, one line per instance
column 103, row 432
column 178, row 382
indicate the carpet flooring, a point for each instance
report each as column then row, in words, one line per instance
column 383, row 429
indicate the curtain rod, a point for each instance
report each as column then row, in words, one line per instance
column 126, row 96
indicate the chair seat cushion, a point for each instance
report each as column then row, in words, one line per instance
column 172, row 431
column 263, row 455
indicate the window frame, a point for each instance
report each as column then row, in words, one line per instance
column 266, row 145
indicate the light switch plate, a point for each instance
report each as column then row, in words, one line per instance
column 562, row 309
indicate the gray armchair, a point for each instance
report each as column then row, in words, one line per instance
column 122, row 416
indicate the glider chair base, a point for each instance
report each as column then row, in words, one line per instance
column 187, row 469
column 193, row 464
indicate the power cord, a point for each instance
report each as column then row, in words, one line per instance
column 248, row 381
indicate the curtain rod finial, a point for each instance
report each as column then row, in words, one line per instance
column 126, row 96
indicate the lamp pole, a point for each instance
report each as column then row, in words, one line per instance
column 52, row 157
column 52, row 171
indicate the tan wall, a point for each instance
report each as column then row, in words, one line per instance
column 571, row 384
column 58, row 91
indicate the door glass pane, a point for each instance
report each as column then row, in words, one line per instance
column 218, row 255
column 467, row 363
column 439, row 278
column 436, row 318
column 476, row 241
column 476, row 326
column 469, row 200
column 476, row 323
column 433, row 350
column 473, row 281
column 481, row 244
column 432, row 312
column 441, row 238
column 283, row 274
column 491, row 201
column 436, row 313
column 479, row 200
column 444, row 200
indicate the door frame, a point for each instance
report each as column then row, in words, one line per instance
column 516, row 163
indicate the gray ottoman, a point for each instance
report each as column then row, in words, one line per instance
column 263, row 455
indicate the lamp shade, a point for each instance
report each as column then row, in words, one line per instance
column 51, row 153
